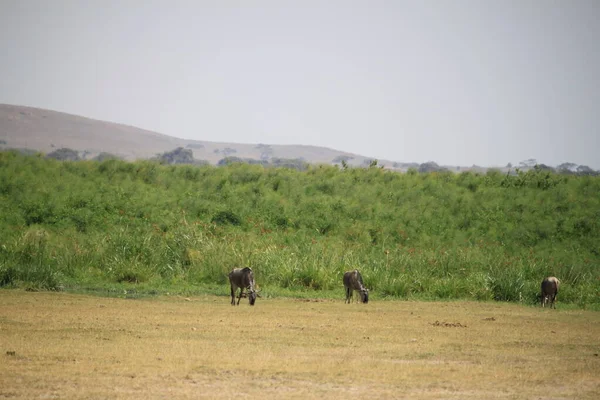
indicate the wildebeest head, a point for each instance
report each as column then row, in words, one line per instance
column 252, row 296
column 364, row 295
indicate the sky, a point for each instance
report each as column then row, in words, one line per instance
column 461, row 82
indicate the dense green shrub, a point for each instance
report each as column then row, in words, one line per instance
column 433, row 235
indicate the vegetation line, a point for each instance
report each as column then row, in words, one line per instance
column 143, row 225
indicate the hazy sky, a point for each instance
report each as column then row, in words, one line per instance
column 452, row 81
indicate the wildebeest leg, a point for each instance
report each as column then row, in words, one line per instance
column 232, row 296
column 240, row 297
column 348, row 295
column 552, row 301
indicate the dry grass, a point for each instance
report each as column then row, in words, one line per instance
column 57, row 345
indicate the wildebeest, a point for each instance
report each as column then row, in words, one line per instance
column 243, row 278
column 550, row 287
column 353, row 281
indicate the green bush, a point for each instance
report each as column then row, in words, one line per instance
column 420, row 235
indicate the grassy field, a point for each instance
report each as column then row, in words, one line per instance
column 60, row 345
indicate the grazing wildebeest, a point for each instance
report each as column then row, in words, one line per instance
column 353, row 281
column 550, row 287
column 242, row 278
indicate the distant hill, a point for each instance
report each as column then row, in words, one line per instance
column 47, row 131
column 76, row 137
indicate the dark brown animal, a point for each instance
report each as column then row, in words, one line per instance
column 243, row 278
column 353, row 281
column 550, row 287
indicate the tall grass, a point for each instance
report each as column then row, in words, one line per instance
column 438, row 235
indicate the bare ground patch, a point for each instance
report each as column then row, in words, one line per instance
column 59, row 345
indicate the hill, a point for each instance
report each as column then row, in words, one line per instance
column 46, row 131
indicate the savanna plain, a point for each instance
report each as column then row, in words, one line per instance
column 453, row 263
column 64, row 345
